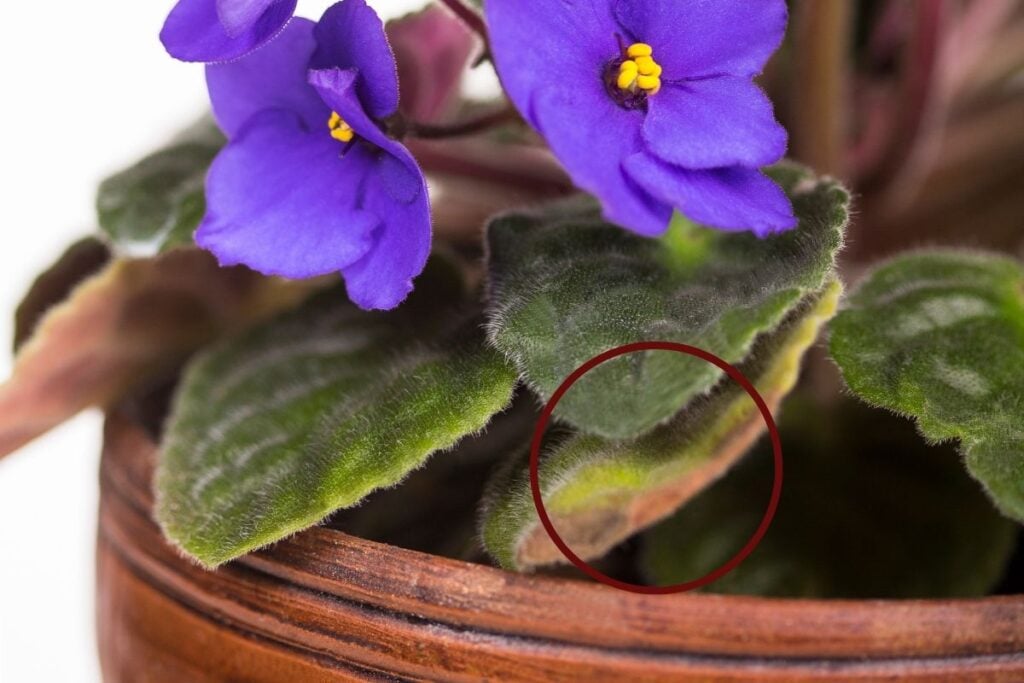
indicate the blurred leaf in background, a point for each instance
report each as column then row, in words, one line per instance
column 867, row 511
column 917, row 107
column 131, row 322
column 157, row 204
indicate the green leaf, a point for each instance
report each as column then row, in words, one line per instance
column 275, row 430
column 434, row 510
column 867, row 511
column 939, row 336
column 157, row 204
column 599, row 492
column 566, row 286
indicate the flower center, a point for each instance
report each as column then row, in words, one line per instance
column 340, row 130
column 639, row 73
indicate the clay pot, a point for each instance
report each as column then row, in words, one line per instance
column 325, row 606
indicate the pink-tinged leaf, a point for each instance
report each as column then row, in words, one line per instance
column 131, row 323
column 897, row 110
column 432, row 49
column 82, row 259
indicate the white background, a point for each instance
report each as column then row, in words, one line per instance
column 86, row 89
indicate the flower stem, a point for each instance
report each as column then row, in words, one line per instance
column 822, row 33
column 469, row 16
column 516, row 167
column 479, row 124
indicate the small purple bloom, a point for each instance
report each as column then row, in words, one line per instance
column 650, row 104
column 222, row 30
column 309, row 184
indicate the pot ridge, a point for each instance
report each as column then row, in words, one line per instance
column 326, row 606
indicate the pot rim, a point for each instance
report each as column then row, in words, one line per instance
column 467, row 596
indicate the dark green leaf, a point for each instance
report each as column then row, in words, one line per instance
column 157, row 204
column 275, row 430
column 599, row 492
column 939, row 336
column 566, row 286
column 867, row 511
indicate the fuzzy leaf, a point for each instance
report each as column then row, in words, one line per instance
column 275, row 430
column 867, row 511
column 131, row 323
column 939, row 336
column 434, row 510
column 566, row 286
column 157, row 204
column 599, row 492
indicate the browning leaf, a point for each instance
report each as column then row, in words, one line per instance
column 599, row 492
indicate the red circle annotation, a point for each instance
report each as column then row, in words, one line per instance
column 736, row 376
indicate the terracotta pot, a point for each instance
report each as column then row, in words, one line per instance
column 325, row 606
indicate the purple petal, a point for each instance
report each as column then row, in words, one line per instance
column 542, row 42
column 712, row 123
column 592, row 136
column 705, row 37
column 729, row 198
column 339, row 91
column 395, row 191
column 196, row 31
column 273, row 78
column 238, row 16
column 350, row 35
column 283, row 201
column 383, row 278
column 551, row 56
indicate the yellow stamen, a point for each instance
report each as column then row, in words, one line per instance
column 640, row 71
column 639, row 50
column 626, row 79
column 340, row 130
column 647, row 66
column 649, row 83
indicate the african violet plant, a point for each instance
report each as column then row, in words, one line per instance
column 309, row 272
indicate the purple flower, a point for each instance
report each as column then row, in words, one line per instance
column 222, row 30
column 309, row 184
column 650, row 104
